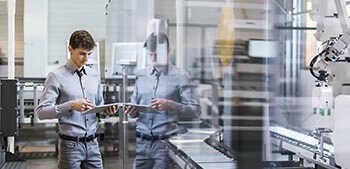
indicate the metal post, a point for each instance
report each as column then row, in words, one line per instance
column 321, row 145
column 125, row 121
column 21, row 102
column 11, row 10
column 215, row 105
column 115, row 90
column 36, row 100
column 180, row 33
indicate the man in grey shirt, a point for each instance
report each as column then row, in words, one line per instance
column 70, row 90
column 170, row 93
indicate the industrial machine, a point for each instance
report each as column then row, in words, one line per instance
column 326, row 146
column 333, row 50
column 8, row 123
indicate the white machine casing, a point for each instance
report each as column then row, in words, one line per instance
column 341, row 136
column 322, row 100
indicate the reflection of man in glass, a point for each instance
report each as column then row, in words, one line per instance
column 170, row 93
column 69, row 90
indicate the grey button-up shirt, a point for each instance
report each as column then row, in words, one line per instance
column 174, row 84
column 62, row 86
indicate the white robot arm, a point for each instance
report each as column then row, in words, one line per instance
column 332, row 19
column 332, row 51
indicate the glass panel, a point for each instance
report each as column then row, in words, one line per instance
column 200, row 83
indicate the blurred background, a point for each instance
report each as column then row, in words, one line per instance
column 271, row 77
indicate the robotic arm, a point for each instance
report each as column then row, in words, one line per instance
column 332, row 19
column 332, row 51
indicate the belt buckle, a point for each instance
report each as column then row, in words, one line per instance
column 149, row 137
column 91, row 137
column 87, row 139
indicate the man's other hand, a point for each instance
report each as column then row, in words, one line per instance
column 160, row 104
column 110, row 110
column 82, row 105
column 130, row 110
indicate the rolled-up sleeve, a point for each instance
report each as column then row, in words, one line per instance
column 188, row 105
column 46, row 108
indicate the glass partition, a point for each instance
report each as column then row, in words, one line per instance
column 221, row 84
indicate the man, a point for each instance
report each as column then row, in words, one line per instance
column 170, row 93
column 70, row 90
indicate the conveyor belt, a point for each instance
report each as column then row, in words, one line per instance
column 189, row 150
column 299, row 139
column 303, row 145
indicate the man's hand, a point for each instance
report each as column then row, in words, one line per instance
column 82, row 105
column 130, row 110
column 161, row 104
column 110, row 110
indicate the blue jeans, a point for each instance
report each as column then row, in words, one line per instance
column 151, row 154
column 76, row 155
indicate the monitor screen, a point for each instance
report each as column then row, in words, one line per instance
column 262, row 48
column 129, row 53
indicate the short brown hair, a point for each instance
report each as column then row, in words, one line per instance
column 83, row 39
column 154, row 39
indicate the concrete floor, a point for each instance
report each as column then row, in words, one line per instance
column 111, row 162
column 38, row 148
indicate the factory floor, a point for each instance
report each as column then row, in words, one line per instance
column 45, row 157
column 37, row 146
column 111, row 162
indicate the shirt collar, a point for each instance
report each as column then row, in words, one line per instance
column 81, row 71
column 163, row 71
column 72, row 69
column 153, row 71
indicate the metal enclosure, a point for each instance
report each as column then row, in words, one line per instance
column 8, row 107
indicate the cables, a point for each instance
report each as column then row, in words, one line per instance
column 322, row 73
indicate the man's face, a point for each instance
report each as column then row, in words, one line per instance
column 79, row 56
column 152, row 56
column 156, row 59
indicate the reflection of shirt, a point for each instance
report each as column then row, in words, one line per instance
column 62, row 86
column 175, row 85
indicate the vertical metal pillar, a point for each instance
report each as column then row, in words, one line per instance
column 36, row 100
column 21, row 102
column 180, row 34
column 11, row 9
column 215, row 105
column 124, row 120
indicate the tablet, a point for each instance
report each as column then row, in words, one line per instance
column 101, row 108
column 140, row 107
